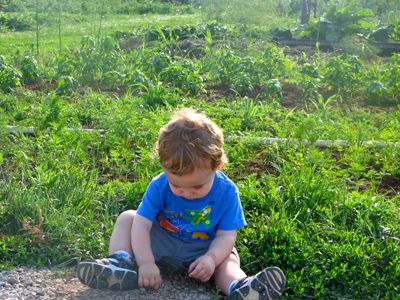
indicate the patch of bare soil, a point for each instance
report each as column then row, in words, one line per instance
column 390, row 185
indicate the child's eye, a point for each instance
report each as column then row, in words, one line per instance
column 197, row 187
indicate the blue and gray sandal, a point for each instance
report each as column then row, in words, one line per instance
column 267, row 284
column 114, row 273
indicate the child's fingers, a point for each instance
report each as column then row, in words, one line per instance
column 195, row 271
column 192, row 266
column 149, row 281
column 201, row 268
column 199, row 272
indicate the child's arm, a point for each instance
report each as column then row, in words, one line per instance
column 149, row 273
column 204, row 266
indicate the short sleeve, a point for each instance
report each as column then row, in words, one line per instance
column 233, row 217
column 151, row 202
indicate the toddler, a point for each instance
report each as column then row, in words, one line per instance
column 188, row 218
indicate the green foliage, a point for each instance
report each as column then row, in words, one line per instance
column 183, row 32
column 344, row 74
column 160, row 62
column 66, row 85
column 9, row 76
column 339, row 22
column 29, row 69
column 14, row 24
column 240, row 12
column 156, row 94
column 315, row 229
column 243, row 73
column 273, row 89
column 384, row 83
column 307, row 208
column 273, row 63
column 184, row 76
column 327, row 217
column 91, row 62
column 151, row 7
column 51, row 112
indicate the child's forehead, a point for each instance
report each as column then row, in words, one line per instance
column 198, row 176
column 181, row 168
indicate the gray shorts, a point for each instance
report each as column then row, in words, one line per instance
column 172, row 252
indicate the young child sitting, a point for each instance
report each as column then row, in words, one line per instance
column 188, row 218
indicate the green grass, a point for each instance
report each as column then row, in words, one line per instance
column 324, row 216
column 74, row 30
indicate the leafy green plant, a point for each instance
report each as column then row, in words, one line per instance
column 250, row 112
column 383, row 82
column 51, row 112
column 273, row 63
column 240, row 73
column 242, row 84
column 15, row 24
column 135, row 80
column 377, row 93
column 273, row 89
column 29, row 69
column 156, row 94
column 339, row 22
column 310, row 80
column 183, row 32
column 9, row 76
column 184, row 76
column 344, row 74
column 113, row 80
column 66, row 85
column 92, row 61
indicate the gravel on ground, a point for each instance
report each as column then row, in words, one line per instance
column 43, row 283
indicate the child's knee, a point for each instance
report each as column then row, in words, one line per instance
column 126, row 218
column 232, row 260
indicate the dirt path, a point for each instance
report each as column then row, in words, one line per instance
column 27, row 284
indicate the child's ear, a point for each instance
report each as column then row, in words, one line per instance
column 219, row 167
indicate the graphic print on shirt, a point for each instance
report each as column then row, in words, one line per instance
column 197, row 217
column 167, row 225
column 184, row 225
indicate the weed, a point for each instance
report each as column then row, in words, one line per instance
column 344, row 74
column 66, row 85
column 29, row 69
column 9, row 76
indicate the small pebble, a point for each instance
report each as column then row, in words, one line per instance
column 12, row 280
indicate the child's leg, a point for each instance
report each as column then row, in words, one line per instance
column 115, row 272
column 267, row 284
column 228, row 271
column 121, row 235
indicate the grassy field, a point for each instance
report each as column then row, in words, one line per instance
column 328, row 216
column 74, row 28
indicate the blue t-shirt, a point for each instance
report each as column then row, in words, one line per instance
column 195, row 220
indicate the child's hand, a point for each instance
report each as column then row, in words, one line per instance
column 149, row 276
column 202, row 268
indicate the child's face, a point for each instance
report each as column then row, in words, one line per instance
column 193, row 185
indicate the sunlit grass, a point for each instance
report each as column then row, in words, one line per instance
column 73, row 31
column 320, row 214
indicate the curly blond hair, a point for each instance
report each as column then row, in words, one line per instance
column 188, row 141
